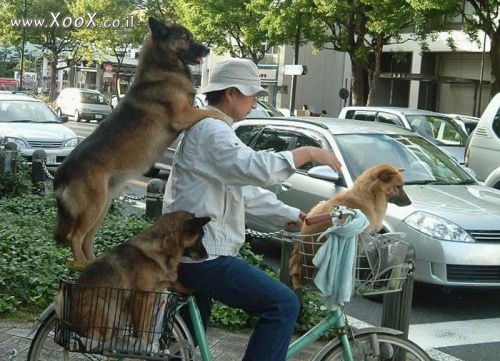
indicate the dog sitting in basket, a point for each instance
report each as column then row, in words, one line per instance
column 371, row 193
column 114, row 303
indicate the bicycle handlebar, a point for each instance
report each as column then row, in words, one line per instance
column 336, row 213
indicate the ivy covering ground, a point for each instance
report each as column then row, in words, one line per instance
column 31, row 264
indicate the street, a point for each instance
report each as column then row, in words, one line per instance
column 458, row 324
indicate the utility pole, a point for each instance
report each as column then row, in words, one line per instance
column 293, row 86
column 21, row 73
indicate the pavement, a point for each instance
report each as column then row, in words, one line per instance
column 226, row 346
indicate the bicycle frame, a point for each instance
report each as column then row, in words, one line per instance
column 334, row 319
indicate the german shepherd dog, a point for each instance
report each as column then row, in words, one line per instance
column 145, row 263
column 157, row 107
column 372, row 191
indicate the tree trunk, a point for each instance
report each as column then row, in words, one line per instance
column 358, row 85
column 53, row 79
column 495, row 63
column 374, row 77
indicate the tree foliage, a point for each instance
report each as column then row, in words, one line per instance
column 478, row 15
column 232, row 26
column 58, row 42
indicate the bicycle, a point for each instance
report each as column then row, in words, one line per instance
column 173, row 340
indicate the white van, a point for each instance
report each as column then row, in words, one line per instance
column 483, row 152
column 82, row 104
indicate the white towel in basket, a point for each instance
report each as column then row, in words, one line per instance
column 335, row 260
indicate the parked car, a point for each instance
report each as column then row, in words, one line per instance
column 439, row 128
column 263, row 110
column 467, row 122
column 483, row 151
column 453, row 222
column 32, row 124
column 82, row 104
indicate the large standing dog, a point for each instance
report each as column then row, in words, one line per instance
column 156, row 108
column 372, row 191
column 147, row 262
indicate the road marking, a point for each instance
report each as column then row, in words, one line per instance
column 455, row 333
column 430, row 336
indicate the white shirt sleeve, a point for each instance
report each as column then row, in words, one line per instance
column 263, row 203
column 220, row 154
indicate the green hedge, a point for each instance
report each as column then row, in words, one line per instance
column 31, row 264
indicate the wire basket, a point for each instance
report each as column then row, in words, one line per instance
column 381, row 263
column 115, row 322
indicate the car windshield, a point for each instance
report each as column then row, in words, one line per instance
column 423, row 162
column 441, row 131
column 17, row 111
column 92, row 98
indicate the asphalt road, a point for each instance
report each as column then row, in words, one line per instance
column 458, row 324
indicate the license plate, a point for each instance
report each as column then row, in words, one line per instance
column 98, row 116
column 51, row 159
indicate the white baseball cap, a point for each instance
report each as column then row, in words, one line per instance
column 238, row 73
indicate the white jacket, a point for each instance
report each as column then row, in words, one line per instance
column 215, row 175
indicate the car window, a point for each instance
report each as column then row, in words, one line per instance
column 388, row 118
column 273, row 141
column 441, row 131
column 247, row 133
column 92, row 98
column 26, row 111
column 306, row 142
column 422, row 161
column 364, row 115
column 496, row 124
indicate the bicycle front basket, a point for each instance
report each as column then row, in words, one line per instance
column 113, row 321
column 381, row 265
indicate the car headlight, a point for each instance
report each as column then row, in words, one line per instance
column 437, row 227
column 73, row 142
column 20, row 143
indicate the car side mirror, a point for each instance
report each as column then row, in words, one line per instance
column 64, row 118
column 323, row 172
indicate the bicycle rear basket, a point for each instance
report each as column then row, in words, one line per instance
column 117, row 322
column 381, row 263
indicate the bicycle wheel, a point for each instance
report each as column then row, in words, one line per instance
column 43, row 347
column 364, row 348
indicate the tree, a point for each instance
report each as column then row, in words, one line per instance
column 116, row 40
column 360, row 28
column 478, row 15
column 229, row 25
column 50, row 33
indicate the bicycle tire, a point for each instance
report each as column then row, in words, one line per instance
column 393, row 348
column 43, row 347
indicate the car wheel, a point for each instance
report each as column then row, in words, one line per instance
column 152, row 172
column 77, row 116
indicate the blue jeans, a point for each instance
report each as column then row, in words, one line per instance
column 235, row 283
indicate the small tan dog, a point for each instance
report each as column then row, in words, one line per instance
column 372, row 191
column 121, row 285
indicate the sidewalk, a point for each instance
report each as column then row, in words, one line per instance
column 225, row 346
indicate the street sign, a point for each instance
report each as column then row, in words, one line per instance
column 295, row 70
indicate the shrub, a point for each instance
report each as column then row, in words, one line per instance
column 31, row 264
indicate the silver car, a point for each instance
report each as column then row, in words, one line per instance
column 453, row 222
column 439, row 128
column 32, row 125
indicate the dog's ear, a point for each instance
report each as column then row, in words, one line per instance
column 158, row 28
column 197, row 222
column 386, row 174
